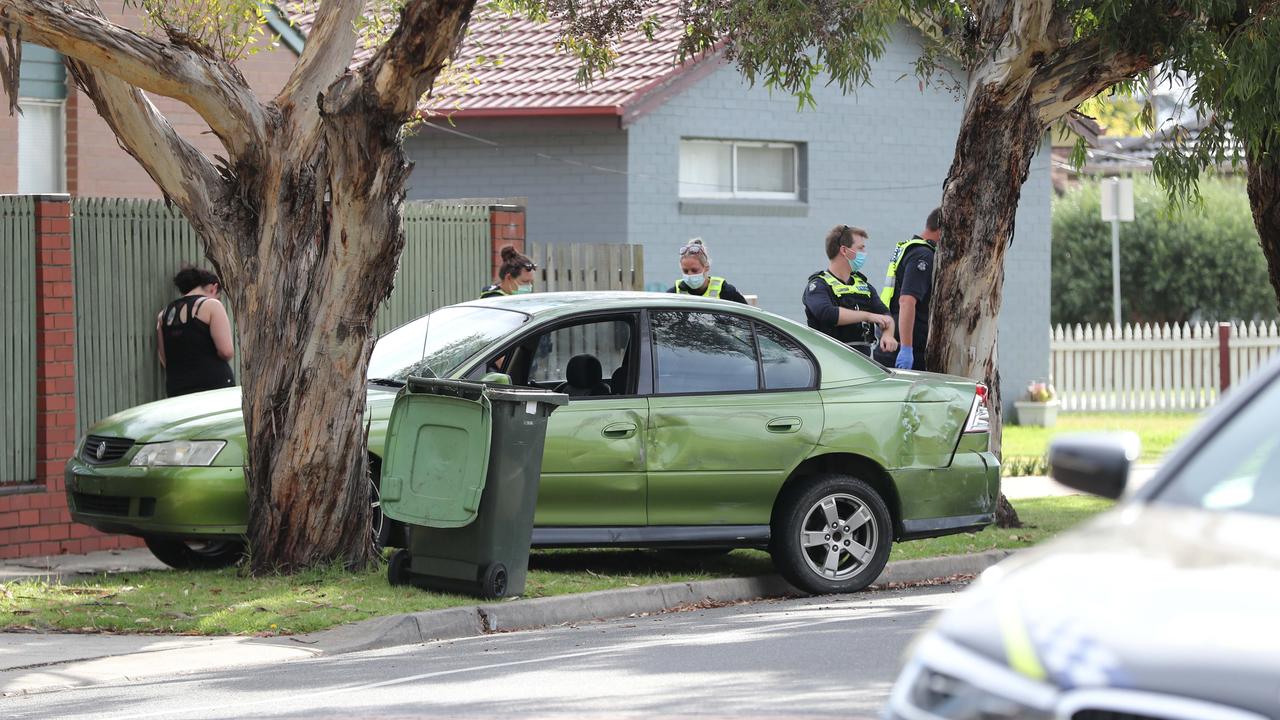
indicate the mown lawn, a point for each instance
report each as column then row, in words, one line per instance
column 1025, row 447
column 225, row 602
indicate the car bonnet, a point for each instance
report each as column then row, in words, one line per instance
column 1161, row 599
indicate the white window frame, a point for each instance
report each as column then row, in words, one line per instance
column 736, row 194
column 61, row 105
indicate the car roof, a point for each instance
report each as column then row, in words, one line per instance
column 555, row 304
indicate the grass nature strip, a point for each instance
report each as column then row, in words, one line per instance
column 224, row 602
column 1025, row 447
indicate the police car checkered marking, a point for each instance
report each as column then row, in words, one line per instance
column 1074, row 658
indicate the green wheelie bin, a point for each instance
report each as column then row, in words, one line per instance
column 461, row 469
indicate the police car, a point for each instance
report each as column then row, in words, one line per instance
column 1167, row 607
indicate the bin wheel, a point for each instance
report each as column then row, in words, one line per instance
column 398, row 567
column 495, row 581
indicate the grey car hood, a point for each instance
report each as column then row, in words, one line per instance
column 1149, row 597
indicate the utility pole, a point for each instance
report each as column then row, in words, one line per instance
column 1117, row 207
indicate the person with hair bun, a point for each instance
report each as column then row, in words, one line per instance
column 193, row 336
column 695, row 268
column 515, row 275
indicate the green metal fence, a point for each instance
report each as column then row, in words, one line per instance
column 18, row 331
column 126, row 252
column 445, row 260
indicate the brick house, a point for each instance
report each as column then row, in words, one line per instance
column 59, row 145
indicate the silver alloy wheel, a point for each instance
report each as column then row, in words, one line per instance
column 838, row 537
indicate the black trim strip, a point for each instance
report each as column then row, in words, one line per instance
column 936, row 527
column 657, row 536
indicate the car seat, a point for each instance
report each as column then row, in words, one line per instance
column 583, row 377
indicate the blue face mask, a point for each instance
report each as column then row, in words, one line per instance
column 859, row 259
column 522, row 289
column 695, row 281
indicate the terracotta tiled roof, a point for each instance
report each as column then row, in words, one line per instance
column 532, row 77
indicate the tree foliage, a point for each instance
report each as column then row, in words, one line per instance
column 1176, row 265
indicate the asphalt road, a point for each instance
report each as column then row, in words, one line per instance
column 831, row 656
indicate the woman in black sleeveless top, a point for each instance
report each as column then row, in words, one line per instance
column 194, row 336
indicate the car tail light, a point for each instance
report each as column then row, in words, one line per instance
column 979, row 417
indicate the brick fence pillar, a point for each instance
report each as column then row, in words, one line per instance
column 35, row 521
column 506, row 227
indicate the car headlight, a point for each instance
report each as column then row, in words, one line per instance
column 945, row 696
column 179, row 452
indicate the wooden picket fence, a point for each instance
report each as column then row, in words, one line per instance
column 587, row 266
column 1181, row 367
column 17, row 339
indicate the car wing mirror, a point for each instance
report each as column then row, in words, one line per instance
column 1097, row 463
column 496, row 378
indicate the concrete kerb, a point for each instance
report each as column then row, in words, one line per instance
column 470, row 621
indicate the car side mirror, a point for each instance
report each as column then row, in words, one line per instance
column 496, row 378
column 1097, row 463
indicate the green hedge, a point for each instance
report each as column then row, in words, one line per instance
column 1198, row 264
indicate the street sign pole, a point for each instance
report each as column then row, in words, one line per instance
column 1117, row 207
column 1115, row 276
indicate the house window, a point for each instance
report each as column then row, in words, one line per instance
column 739, row 169
column 42, row 160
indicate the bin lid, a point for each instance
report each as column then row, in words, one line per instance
column 525, row 395
column 436, row 458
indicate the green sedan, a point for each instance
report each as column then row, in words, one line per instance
column 691, row 423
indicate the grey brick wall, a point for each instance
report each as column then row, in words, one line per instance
column 875, row 158
column 571, row 170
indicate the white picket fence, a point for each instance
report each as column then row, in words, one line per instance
column 1153, row 367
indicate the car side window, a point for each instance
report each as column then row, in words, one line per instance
column 786, row 365
column 700, row 352
column 588, row 359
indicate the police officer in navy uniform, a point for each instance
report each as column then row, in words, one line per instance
column 696, row 278
column 840, row 302
column 908, row 287
column 515, row 275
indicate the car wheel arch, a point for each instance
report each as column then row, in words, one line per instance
column 860, row 466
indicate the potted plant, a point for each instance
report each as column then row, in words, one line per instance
column 1040, row 407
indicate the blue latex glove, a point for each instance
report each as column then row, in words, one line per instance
column 905, row 358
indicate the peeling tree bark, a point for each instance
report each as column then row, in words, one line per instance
column 302, row 223
column 1264, row 199
column 1035, row 73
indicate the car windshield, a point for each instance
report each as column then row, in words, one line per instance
column 1238, row 469
column 436, row 344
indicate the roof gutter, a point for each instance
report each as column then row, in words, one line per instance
column 594, row 111
column 288, row 33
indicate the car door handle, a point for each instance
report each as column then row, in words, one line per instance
column 784, row 425
column 619, row 431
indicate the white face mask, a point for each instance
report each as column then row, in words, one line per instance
column 695, row 281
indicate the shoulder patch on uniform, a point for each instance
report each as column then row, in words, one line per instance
column 922, row 265
column 813, row 286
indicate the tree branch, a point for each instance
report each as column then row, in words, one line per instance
column 331, row 44
column 213, row 88
column 405, row 67
column 186, row 176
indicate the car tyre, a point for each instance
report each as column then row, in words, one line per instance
column 182, row 554
column 831, row 533
column 398, row 567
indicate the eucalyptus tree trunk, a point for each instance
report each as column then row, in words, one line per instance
column 1032, row 72
column 301, row 222
column 1264, row 199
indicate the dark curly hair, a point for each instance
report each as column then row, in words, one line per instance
column 191, row 277
column 513, row 263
